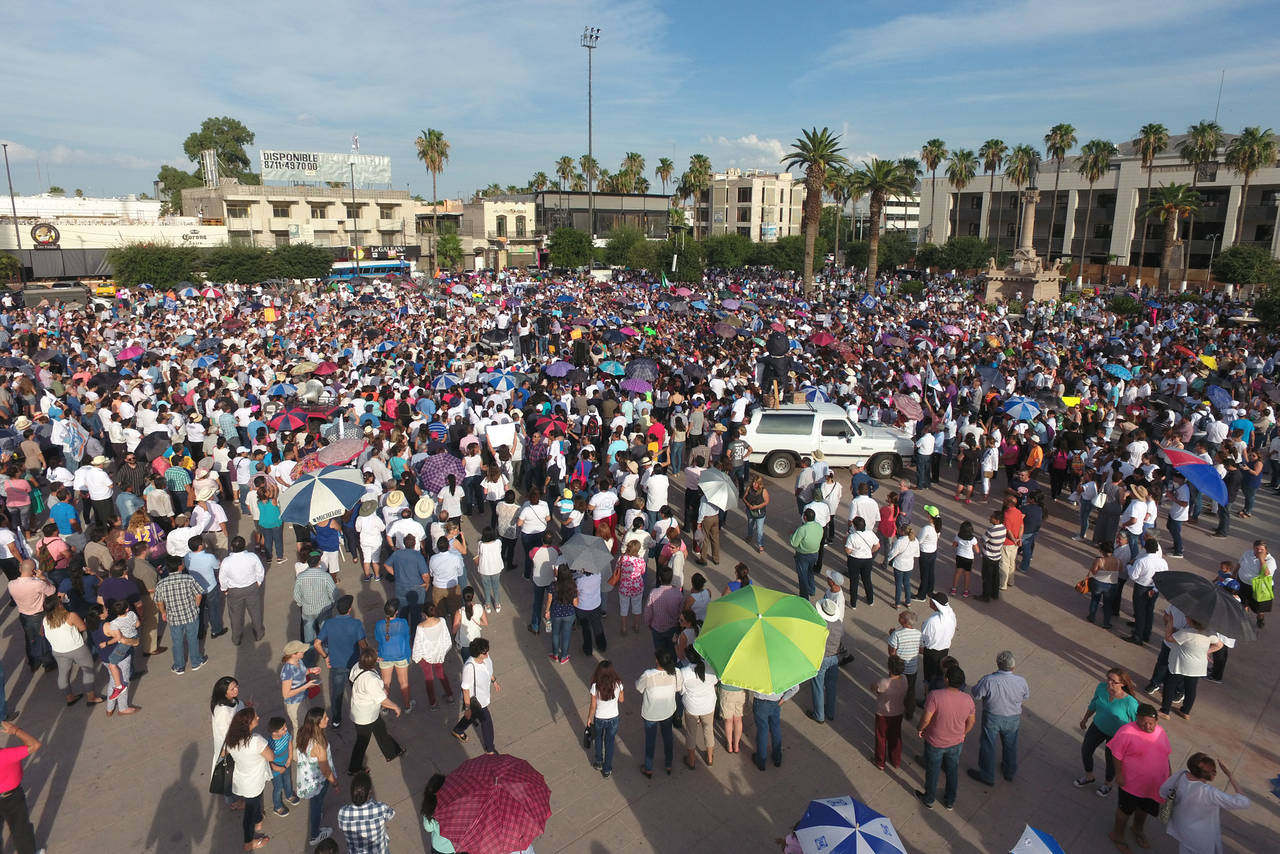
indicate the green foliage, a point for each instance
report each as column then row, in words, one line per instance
column 827, row 227
column 728, row 250
column 626, row 248
column 1124, row 305
column 1186, row 296
column 239, row 264
column 690, row 259
column 929, row 255
column 1267, row 307
column 1070, row 296
column 1246, row 265
column 173, row 181
column 1015, row 306
column 449, row 248
column 788, row 252
column 55, row 190
column 569, row 247
column 857, row 254
column 302, row 261
column 228, row 137
column 136, row 263
column 8, row 267
column 895, row 250
column 911, row 288
column 965, row 253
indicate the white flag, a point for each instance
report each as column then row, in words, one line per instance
column 355, row 143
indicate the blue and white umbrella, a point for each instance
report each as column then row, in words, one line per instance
column 813, row 394
column 321, row 495
column 1021, row 408
column 612, row 367
column 846, row 826
column 1035, row 841
column 445, row 381
column 206, row 361
column 188, row 293
column 281, row 390
column 503, row 380
column 387, row 345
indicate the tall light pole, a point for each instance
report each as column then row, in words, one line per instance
column 355, row 219
column 590, row 38
column 1213, row 243
column 17, row 238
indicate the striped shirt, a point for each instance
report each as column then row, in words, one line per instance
column 906, row 645
column 993, row 541
column 313, row 590
column 176, row 479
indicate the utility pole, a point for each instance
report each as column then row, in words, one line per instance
column 590, row 38
column 13, row 206
column 355, row 219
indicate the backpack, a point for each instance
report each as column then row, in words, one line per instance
column 44, row 558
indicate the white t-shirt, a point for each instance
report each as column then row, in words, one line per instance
column 477, row 677
column 699, row 694
column 607, row 709
column 602, row 505
column 964, row 548
column 1188, row 654
column 533, row 517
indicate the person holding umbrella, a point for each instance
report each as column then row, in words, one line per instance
column 1189, row 651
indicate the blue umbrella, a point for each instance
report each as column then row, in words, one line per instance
column 564, row 298
column 281, row 390
column 813, row 394
column 206, row 361
column 1218, row 396
column 1035, row 841
column 701, row 305
column 184, row 340
column 612, row 336
column 348, row 352
column 846, row 826
column 1021, row 408
column 387, row 345
column 1118, row 371
column 503, row 380
column 1202, row 475
column 664, row 305
column 445, row 381
column 558, row 369
column 325, row 494
column 613, row 368
column 188, row 293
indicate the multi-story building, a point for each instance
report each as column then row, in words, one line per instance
column 897, row 214
column 1112, row 210
column 556, row 209
column 499, row 233
column 760, row 205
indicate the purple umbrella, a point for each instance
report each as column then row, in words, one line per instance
column 434, row 469
column 724, row 330
column 558, row 369
column 731, row 304
column 633, row 384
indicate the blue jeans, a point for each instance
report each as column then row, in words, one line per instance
column 768, row 715
column 337, row 687
column 490, row 589
column 923, row 470
column 1135, row 545
column 676, row 453
column 473, row 494
column 273, row 541
column 1249, row 493
column 1175, row 531
column 281, row 788
column 606, row 736
column 39, row 652
column 315, row 810
column 1100, row 594
column 901, row 587
column 539, row 602
column 1005, row 728
column 561, row 634
column 1144, row 609
column 823, row 688
column 311, row 626
column 185, row 639
column 1086, row 507
column 1028, row 548
column 755, row 531
column 651, row 729
column 211, row 610
column 804, row 574
column 946, row 760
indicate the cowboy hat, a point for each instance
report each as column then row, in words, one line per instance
column 395, row 498
column 829, row 609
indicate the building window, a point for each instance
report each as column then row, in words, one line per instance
column 1011, row 201
column 975, row 203
column 520, row 227
column 237, row 211
column 1011, row 230
column 386, row 212
column 280, row 209
column 744, row 195
column 744, row 214
column 1264, row 231
column 744, row 230
column 281, row 238
column 1102, row 230
column 325, row 238
column 1106, row 200
column 973, row 229
column 1269, row 197
column 500, row 224
column 319, row 211
column 353, row 211
column 239, row 238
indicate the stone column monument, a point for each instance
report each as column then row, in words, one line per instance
column 1026, row 273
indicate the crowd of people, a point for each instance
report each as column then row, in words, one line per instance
column 149, row 449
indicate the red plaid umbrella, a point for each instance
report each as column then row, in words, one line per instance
column 493, row 805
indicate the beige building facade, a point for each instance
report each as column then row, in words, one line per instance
column 760, row 205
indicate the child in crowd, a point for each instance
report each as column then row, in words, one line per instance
column 281, row 766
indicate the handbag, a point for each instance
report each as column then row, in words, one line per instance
column 307, row 778
column 1100, row 500
column 1166, row 808
column 466, row 720
column 223, row 771
column 588, row 736
column 1082, row 586
column 1263, row 588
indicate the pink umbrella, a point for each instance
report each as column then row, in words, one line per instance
column 130, row 353
column 908, row 406
column 325, row 368
column 683, row 292
column 630, row 331
column 822, row 339
column 778, row 326
column 952, row 329
column 211, row 293
column 468, row 441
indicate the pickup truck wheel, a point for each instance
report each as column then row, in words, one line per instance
column 779, row 464
column 882, row 466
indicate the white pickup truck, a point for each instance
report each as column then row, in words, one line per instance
column 780, row 437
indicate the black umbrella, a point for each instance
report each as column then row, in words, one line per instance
column 46, row 355
column 12, row 362
column 642, row 369
column 209, row 344
column 153, row 445
column 106, row 379
column 1207, row 603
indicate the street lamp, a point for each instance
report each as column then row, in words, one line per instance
column 17, row 237
column 590, row 38
column 1213, row 243
column 355, row 218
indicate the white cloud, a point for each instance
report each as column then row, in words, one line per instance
column 748, row 151
column 64, row 155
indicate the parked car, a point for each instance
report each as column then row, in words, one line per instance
column 780, row 437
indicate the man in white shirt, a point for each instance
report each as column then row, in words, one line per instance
column 240, row 577
column 1142, row 572
column 1179, row 494
column 863, row 506
column 656, row 489
column 406, row 524
column 936, row 635
column 924, row 459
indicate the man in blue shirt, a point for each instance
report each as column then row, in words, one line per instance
column 1003, row 693
column 64, row 514
column 339, row 641
column 202, row 564
column 411, row 573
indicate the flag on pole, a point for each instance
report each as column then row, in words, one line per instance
column 664, row 280
column 355, row 143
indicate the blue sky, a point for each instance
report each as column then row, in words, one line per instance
column 100, row 95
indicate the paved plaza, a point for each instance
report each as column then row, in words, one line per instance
column 141, row 783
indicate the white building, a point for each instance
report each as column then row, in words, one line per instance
column 763, row 206
column 898, row 214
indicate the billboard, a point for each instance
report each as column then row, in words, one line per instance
column 298, row 166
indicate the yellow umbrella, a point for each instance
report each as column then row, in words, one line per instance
column 1210, row 362
column 1071, row 401
column 303, row 368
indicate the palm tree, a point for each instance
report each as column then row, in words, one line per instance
column 539, row 182
column 433, row 151
column 815, row 151
column 1252, row 150
column 1018, row 167
column 1171, row 202
column 992, row 153
column 590, row 168
column 879, row 180
column 696, row 181
column 1153, row 138
column 1060, row 139
column 1094, row 162
column 578, row 184
column 663, row 172
column 605, row 181
column 837, row 186
column 641, row 185
column 932, row 153
column 1199, row 148
column 564, row 170
column 633, row 165
column 961, row 168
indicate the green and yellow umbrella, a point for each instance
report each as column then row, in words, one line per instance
column 762, row 640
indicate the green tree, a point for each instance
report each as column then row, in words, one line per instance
column 1018, row 169
column 1060, row 139
column 992, row 153
column 831, row 216
column 1170, row 203
column 694, row 183
column 663, row 172
column 172, row 182
column 565, row 170
column 590, row 167
column 961, row 168
column 569, row 247
column 1252, row 150
column 55, row 190
column 449, row 248
column 727, row 251
column 833, row 219
column 932, row 153
column 8, row 267
column 622, row 247
column 856, row 254
column 1093, row 163
column 433, row 150
column 928, row 255
column 895, row 249
column 879, row 180
column 1198, row 148
column 789, row 253
column 631, row 172
column 578, row 184
column 1153, row 139
column 79, row 193
column 240, row 264
column 160, row 265
column 964, row 253
column 815, row 151
column 302, row 261
column 1246, row 265
column 539, row 182
column 228, row 137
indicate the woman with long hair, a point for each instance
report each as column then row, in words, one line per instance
column 699, row 699
column 966, row 545
column 630, row 571
column 313, row 761
column 65, row 633
column 368, row 699
column 741, row 578
column 756, row 502
column 659, row 686
column 270, row 523
column 606, row 697
column 1113, row 705
column 489, row 565
column 439, row 845
column 392, row 635
column 140, row 529
column 431, row 643
column 252, row 756
column 469, row 622
column 561, row 609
